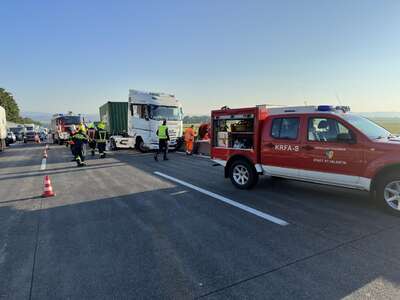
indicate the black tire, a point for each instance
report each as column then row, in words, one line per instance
column 386, row 183
column 140, row 145
column 246, row 169
column 113, row 145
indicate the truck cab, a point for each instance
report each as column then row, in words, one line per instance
column 320, row 144
column 146, row 111
column 29, row 132
column 61, row 125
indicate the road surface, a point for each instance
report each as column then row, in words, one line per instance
column 127, row 227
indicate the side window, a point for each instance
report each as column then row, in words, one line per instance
column 285, row 128
column 326, row 130
column 139, row 110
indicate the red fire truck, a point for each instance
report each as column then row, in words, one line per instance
column 61, row 126
column 320, row 144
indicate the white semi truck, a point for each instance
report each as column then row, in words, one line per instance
column 3, row 129
column 146, row 111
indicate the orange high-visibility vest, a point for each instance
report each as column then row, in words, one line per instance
column 189, row 134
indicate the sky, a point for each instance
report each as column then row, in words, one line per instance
column 57, row 56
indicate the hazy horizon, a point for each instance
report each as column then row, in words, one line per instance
column 61, row 56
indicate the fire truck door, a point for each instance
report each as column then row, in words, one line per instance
column 280, row 147
column 330, row 153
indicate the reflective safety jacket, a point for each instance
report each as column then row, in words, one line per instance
column 78, row 138
column 101, row 136
column 162, row 132
column 189, row 135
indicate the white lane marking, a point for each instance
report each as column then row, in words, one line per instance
column 178, row 193
column 226, row 200
column 43, row 165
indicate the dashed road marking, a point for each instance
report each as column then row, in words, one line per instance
column 43, row 165
column 178, row 193
column 246, row 208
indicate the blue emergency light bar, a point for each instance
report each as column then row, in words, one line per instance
column 333, row 108
column 325, row 108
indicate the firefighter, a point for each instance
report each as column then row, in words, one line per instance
column 91, row 132
column 189, row 140
column 163, row 138
column 101, row 138
column 72, row 132
column 79, row 138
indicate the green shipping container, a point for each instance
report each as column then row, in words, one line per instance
column 115, row 115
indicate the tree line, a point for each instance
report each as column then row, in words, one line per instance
column 8, row 102
column 196, row 119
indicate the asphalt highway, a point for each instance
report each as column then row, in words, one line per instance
column 127, row 227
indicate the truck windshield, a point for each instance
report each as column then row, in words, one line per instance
column 366, row 126
column 71, row 120
column 29, row 128
column 169, row 113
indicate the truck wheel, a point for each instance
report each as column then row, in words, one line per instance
column 140, row 146
column 243, row 175
column 388, row 192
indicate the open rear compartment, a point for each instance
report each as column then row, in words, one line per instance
column 235, row 131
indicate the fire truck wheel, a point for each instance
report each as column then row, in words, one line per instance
column 243, row 175
column 388, row 192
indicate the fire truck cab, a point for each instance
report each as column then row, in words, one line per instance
column 320, row 144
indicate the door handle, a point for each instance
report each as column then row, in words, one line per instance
column 308, row 147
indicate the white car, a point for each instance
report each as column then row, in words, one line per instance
column 11, row 138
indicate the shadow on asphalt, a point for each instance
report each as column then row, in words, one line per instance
column 138, row 246
column 73, row 168
column 145, row 247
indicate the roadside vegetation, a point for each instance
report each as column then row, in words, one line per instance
column 391, row 124
column 12, row 109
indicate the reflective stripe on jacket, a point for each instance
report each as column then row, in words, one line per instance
column 101, row 136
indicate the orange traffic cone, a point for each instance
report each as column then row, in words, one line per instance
column 48, row 189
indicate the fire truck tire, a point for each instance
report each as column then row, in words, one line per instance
column 388, row 192
column 243, row 175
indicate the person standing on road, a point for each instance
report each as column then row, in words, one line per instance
column 101, row 138
column 78, row 140
column 189, row 140
column 163, row 138
column 92, row 135
column 71, row 143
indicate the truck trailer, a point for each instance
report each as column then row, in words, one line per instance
column 145, row 113
column 319, row 144
column 115, row 115
column 3, row 129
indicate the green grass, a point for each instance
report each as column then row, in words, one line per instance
column 391, row 124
